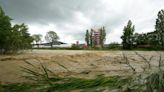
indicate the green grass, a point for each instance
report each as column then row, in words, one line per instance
column 16, row 87
column 66, row 85
column 73, row 83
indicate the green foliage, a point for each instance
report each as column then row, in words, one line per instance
column 114, row 45
column 91, row 39
column 5, row 27
column 13, row 39
column 18, row 87
column 146, row 40
column 151, row 40
column 67, row 85
column 24, row 36
column 127, row 37
column 159, row 27
column 140, row 39
column 102, row 36
column 75, row 47
column 87, row 38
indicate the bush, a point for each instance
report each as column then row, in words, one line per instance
column 75, row 47
column 114, row 45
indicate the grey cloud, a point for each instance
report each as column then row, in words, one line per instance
column 113, row 14
column 54, row 11
column 35, row 11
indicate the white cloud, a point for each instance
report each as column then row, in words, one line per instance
column 81, row 19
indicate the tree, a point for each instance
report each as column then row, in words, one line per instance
column 159, row 27
column 153, row 39
column 37, row 38
column 25, row 36
column 5, row 27
column 20, row 38
column 149, row 39
column 51, row 37
column 140, row 39
column 13, row 39
column 102, row 36
column 91, row 38
column 87, row 38
column 127, row 37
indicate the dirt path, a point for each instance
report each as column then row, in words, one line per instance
column 83, row 64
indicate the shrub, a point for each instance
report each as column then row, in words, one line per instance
column 75, row 47
column 114, row 45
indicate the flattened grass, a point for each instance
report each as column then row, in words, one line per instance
column 43, row 82
column 67, row 85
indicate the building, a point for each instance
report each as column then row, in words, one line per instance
column 56, row 44
column 96, row 34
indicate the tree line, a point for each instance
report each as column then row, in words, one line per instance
column 131, row 39
column 154, row 40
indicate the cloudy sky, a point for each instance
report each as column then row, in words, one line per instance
column 71, row 18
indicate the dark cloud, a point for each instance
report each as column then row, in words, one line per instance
column 44, row 11
column 40, row 11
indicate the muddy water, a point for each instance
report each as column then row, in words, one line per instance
column 82, row 64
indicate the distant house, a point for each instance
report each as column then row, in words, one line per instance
column 56, row 44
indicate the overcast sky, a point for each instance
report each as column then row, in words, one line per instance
column 71, row 18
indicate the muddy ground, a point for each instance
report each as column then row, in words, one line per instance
column 69, row 63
